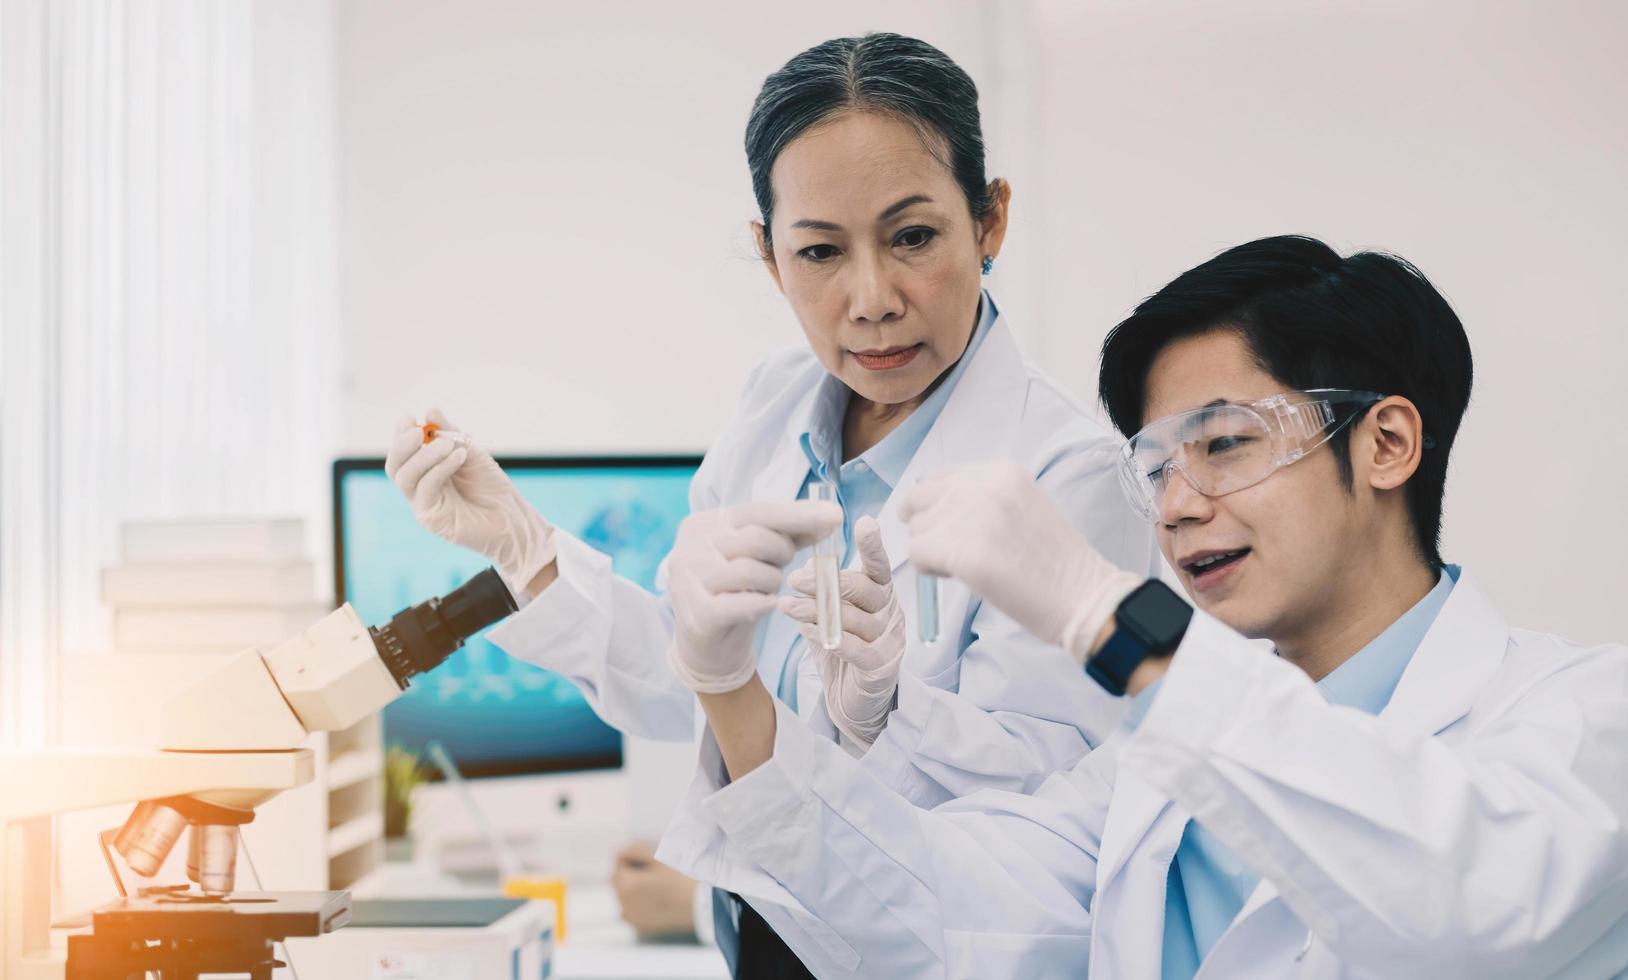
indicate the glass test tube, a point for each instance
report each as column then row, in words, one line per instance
column 927, row 607
column 827, row 589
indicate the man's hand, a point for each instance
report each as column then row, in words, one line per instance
column 992, row 527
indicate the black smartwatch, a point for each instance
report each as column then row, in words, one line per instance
column 1150, row 622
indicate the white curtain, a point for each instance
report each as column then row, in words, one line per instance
column 168, row 308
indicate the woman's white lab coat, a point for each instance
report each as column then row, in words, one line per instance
column 610, row 636
column 1477, row 827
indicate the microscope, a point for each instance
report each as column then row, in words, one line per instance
column 229, row 744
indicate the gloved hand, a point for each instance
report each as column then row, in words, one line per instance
column 992, row 527
column 861, row 675
column 724, row 575
column 459, row 493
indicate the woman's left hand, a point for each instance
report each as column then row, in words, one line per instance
column 991, row 526
column 861, row 674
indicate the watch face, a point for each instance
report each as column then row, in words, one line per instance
column 1159, row 614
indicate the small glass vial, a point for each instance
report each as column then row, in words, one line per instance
column 927, row 607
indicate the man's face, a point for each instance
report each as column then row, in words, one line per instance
column 1302, row 541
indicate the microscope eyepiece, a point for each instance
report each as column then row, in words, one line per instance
column 420, row 637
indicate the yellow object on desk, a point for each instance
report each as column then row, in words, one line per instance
column 550, row 889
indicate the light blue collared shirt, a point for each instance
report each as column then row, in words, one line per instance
column 865, row 482
column 1208, row 884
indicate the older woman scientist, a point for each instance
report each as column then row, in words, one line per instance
column 877, row 222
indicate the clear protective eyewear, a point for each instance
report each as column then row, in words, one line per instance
column 1222, row 448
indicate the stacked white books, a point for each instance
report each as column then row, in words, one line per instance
column 211, row 586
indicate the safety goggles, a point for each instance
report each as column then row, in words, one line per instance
column 1222, row 448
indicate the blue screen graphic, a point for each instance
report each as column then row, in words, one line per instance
column 495, row 714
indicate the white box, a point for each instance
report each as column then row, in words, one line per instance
column 515, row 941
column 251, row 540
column 224, row 628
column 208, row 583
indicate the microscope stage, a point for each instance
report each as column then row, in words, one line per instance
column 241, row 915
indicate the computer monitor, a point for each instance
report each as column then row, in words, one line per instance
column 497, row 715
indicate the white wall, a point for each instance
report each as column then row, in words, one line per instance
column 545, row 210
column 1483, row 140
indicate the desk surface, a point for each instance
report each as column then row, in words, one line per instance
column 639, row 963
column 598, row 946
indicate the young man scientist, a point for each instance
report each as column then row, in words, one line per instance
column 1406, row 786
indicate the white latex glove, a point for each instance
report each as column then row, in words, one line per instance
column 724, row 575
column 459, row 493
column 992, row 527
column 861, row 675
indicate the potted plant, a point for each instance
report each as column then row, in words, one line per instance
column 403, row 771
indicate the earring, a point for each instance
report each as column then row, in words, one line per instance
column 989, row 264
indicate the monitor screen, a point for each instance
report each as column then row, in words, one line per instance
column 495, row 714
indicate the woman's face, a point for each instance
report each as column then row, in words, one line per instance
column 876, row 251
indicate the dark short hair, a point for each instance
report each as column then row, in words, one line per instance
column 1370, row 321
column 888, row 73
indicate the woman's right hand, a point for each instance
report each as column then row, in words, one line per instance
column 724, row 575
column 459, row 493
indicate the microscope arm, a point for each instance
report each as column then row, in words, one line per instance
column 329, row 676
column 326, row 678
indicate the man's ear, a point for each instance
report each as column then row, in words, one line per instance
column 760, row 237
column 1392, row 443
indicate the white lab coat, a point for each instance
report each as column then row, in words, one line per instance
column 610, row 636
column 1477, row 827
